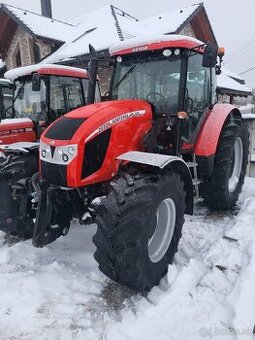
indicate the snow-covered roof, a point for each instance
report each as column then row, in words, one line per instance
column 168, row 22
column 23, row 71
column 227, row 85
column 102, row 28
column 39, row 25
column 109, row 25
column 233, row 75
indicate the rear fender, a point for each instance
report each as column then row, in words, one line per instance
column 207, row 141
column 165, row 163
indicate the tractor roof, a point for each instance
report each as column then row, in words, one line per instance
column 59, row 70
column 154, row 43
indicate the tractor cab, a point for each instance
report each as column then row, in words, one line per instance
column 170, row 75
column 42, row 93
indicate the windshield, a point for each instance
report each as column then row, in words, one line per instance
column 5, row 97
column 64, row 95
column 155, row 79
column 28, row 103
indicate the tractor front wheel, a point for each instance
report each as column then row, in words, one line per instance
column 139, row 228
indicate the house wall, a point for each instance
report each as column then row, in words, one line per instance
column 24, row 42
column 251, row 160
column 187, row 30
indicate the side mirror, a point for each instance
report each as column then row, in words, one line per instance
column 210, row 56
column 36, row 82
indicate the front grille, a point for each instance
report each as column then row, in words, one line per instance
column 94, row 153
column 64, row 128
column 54, row 173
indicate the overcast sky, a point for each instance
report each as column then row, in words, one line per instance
column 232, row 22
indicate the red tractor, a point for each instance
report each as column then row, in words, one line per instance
column 41, row 94
column 159, row 142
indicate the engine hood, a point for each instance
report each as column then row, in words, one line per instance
column 94, row 119
column 17, row 130
column 82, row 147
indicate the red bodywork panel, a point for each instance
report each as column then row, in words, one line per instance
column 63, row 72
column 129, row 121
column 17, row 130
column 207, row 140
column 180, row 43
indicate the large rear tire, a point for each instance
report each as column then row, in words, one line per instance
column 139, row 228
column 12, row 187
column 221, row 190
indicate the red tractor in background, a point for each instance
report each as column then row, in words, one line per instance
column 41, row 94
column 161, row 140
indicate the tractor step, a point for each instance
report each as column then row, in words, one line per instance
column 191, row 164
column 196, row 182
column 198, row 199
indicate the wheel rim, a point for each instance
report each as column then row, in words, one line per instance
column 237, row 165
column 160, row 241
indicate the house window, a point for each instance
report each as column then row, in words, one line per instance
column 37, row 54
column 18, row 59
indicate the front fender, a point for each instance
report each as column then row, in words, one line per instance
column 207, row 141
column 165, row 162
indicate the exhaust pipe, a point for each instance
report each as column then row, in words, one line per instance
column 92, row 74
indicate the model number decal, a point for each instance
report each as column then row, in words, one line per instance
column 14, row 131
column 116, row 120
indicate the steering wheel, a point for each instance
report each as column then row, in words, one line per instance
column 150, row 96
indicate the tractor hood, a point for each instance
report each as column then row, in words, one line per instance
column 17, row 130
column 85, row 143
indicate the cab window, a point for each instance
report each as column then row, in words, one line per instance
column 65, row 95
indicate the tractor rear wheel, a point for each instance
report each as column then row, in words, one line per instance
column 221, row 190
column 12, row 187
column 139, row 228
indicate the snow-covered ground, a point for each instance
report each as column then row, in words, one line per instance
column 58, row 293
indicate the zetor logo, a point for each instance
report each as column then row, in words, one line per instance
column 140, row 48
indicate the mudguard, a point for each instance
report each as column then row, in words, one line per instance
column 173, row 163
column 207, row 141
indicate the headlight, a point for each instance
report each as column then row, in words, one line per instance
column 60, row 151
column 71, row 150
column 63, row 154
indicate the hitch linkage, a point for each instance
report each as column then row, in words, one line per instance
column 53, row 214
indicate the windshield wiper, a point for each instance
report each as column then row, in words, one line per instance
column 126, row 75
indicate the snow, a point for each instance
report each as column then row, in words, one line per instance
column 232, row 75
column 108, row 26
column 57, row 292
column 224, row 81
column 2, row 63
column 15, row 121
column 25, row 70
column 98, row 27
column 150, row 39
column 168, row 22
column 40, row 25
